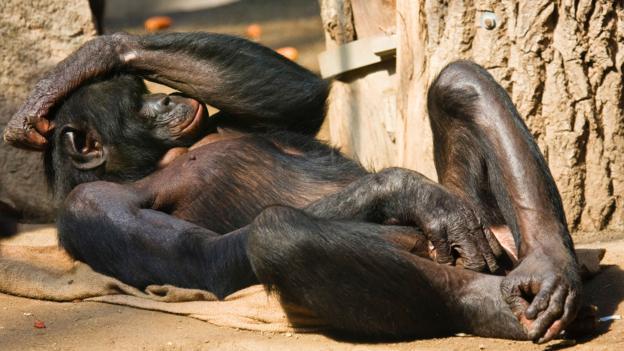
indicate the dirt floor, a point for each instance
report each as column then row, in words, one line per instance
column 99, row 326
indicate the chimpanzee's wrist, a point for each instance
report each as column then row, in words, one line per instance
column 552, row 251
column 550, row 238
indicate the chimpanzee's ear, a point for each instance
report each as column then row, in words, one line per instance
column 84, row 147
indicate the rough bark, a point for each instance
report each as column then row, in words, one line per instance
column 562, row 63
column 337, row 17
column 35, row 35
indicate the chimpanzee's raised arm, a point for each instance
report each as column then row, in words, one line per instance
column 247, row 81
column 242, row 78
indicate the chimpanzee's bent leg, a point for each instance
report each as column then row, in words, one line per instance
column 360, row 283
column 107, row 226
column 484, row 151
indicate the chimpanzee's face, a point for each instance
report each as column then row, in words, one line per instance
column 173, row 117
column 115, row 130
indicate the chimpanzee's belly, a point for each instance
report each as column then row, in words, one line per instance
column 224, row 185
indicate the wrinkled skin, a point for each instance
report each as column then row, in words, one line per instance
column 491, row 174
column 556, row 294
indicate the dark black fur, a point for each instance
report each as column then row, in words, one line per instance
column 109, row 106
column 280, row 208
column 264, row 89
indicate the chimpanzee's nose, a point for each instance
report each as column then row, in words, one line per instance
column 164, row 104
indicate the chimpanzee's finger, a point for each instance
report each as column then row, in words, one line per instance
column 555, row 329
column 28, row 139
column 35, row 139
column 544, row 327
column 43, row 126
column 442, row 247
column 486, row 251
column 512, row 295
column 542, row 299
column 471, row 256
column 571, row 307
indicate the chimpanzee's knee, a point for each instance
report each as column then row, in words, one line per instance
column 276, row 238
column 464, row 90
column 460, row 72
column 81, row 216
column 455, row 92
column 79, row 205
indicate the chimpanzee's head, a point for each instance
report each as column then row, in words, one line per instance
column 115, row 130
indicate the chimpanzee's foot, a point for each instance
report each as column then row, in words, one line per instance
column 586, row 319
column 482, row 311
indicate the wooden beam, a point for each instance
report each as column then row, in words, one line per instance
column 356, row 54
column 414, row 137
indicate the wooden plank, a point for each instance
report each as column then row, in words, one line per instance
column 414, row 137
column 374, row 17
column 362, row 105
column 356, row 54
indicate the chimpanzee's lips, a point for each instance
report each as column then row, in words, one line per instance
column 194, row 123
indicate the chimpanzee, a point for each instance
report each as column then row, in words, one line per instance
column 156, row 191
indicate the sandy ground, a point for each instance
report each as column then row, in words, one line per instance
column 98, row 326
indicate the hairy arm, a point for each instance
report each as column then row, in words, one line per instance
column 250, row 83
column 113, row 228
column 246, row 80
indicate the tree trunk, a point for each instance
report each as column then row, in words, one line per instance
column 562, row 63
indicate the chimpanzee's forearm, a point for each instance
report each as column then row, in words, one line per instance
column 29, row 125
column 254, row 86
column 111, row 227
column 250, row 82
column 406, row 196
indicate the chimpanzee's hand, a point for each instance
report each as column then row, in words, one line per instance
column 552, row 280
column 30, row 124
column 27, row 130
column 452, row 227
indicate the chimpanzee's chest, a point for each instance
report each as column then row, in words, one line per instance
column 224, row 185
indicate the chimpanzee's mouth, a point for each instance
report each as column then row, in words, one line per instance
column 193, row 125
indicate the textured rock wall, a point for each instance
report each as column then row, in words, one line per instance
column 35, row 35
column 562, row 63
